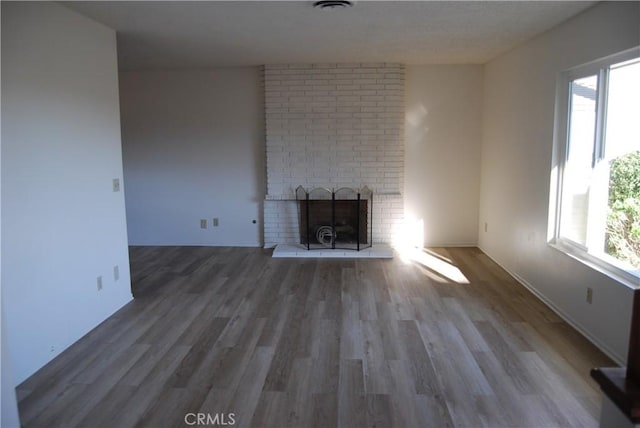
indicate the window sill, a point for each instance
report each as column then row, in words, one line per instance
column 625, row 278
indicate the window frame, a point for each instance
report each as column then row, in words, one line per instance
column 603, row 263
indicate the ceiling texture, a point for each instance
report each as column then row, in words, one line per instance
column 204, row 34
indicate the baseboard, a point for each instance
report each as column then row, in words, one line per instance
column 191, row 244
column 567, row 318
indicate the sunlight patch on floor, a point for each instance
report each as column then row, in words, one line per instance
column 435, row 264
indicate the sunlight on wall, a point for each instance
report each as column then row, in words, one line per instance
column 416, row 115
column 410, row 234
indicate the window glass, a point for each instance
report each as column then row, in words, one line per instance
column 599, row 211
column 622, row 155
column 578, row 168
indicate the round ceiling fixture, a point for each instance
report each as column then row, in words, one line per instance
column 332, row 4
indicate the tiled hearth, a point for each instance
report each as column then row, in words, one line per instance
column 378, row 251
column 333, row 125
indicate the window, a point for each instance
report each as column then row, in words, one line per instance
column 598, row 205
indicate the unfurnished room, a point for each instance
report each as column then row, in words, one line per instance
column 320, row 214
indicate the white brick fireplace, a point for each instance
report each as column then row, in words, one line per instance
column 333, row 125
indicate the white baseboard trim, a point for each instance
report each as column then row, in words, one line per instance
column 567, row 318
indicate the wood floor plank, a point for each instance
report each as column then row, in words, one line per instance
column 512, row 403
column 560, row 395
column 286, row 350
column 378, row 408
column 468, row 331
column 376, row 368
column 246, row 396
column 146, row 394
column 509, row 359
column 320, row 343
column 389, row 330
column 324, row 410
column 402, row 396
column 168, row 411
column 79, row 400
column 351, row 340
column 197, row 353
column 299, row 393
column 102, row 414
column 55, row 414
column 223, row 367
column 433, row 411
column 351, row 402
column 271, row 410
column 327, row 356
column 415, row 354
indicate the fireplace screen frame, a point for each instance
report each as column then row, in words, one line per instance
column 335, row 233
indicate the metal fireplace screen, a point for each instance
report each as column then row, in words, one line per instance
column 336, row 219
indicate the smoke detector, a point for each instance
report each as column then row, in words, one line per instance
column 332, row 4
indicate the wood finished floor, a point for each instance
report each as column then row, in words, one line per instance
column 320, row 343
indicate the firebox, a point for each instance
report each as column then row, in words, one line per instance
column 336, row 219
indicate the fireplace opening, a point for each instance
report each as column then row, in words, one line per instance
column 335, row 219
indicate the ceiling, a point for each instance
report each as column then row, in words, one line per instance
column 202, row 34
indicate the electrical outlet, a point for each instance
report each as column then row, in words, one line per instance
column 589, row 295
column 203, row 223
column 216, row 222
column 99, row 283
column 116, row 184
column 116, row 273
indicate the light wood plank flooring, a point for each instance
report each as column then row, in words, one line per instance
column 320, row 343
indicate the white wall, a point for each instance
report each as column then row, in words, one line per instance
column 62, row 225
column 193, row 147
column 9, row 413
column 442, row 155
column 9, row 409
column 518, row 132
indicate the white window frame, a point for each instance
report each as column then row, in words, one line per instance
column 603, row 263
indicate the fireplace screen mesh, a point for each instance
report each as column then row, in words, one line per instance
column 335, row 219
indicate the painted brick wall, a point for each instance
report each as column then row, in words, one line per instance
column 334, row 125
